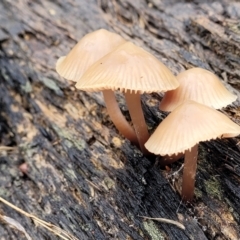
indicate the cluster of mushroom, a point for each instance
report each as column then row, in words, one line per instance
column 104, row 61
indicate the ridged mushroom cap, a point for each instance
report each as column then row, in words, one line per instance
column 199, row 85
column 128, row 68
column 187, row 125
column 87, row 51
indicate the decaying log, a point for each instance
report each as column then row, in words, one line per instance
column 69, row 166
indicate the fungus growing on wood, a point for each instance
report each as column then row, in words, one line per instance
column 133, row 71
column 182, row 130
column 87, row 51
column 199, row 85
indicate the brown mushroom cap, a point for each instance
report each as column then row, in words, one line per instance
column 187, row 125
column 87, row 51
column 199, row 85
column 128, row 68
column 132, row 70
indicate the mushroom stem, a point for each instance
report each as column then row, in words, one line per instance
column 117, row 117
column 169, row 159
column 189, row 173
column 133, row 101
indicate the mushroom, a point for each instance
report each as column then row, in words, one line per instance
column 87, row 51
column 133, row 71
column 182, row 130
column 199, row 85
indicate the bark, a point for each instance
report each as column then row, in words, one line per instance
column 81, row 174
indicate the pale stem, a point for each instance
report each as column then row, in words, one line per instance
column 133, row 101
column 118, row 118
column 189, row 173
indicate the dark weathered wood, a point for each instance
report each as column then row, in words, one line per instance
column 82, row 175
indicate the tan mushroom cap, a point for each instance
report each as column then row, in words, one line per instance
column 199, row 85
column 187, row 125
column 128, row 68
column 87, row 51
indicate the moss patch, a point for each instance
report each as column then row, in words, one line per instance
column 153, row 230
column 213, row 188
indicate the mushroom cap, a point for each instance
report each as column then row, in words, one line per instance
column 128, row 68
column 187, row 125
column 87, row 51
column 199, row 85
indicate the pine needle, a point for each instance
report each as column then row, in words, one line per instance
column 6, row 148
column 49, row 226
column 165, row 220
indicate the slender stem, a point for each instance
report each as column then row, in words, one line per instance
column 117, row 117
column 133, row 101
column 189, row 173
column 169, row 159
